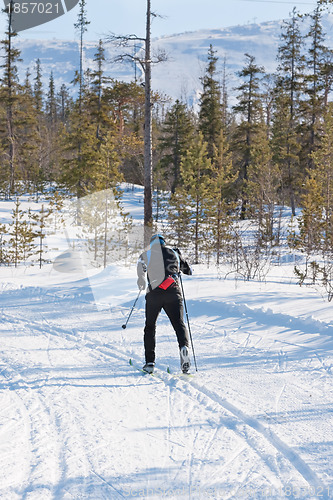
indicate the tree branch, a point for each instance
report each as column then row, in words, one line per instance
column 160, row 56
column 123, row 40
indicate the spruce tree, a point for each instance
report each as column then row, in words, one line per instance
column 81, row 28
column 80, row 153
column 193, row 193
column 10, row 99
column 262, row 187
column 322, row 173
column 179, row 216
column 311, row 220
column 210, row 114
column 41, row 132
column 226, row 116
column 107, row 169
column 51, row 110
column 53, row 130
column 65, row 103
column 3, row 245
column 21, row 236
column 249, row 108
column 31, row 138
column 287, row 116
column 98, row 80
column 313, row 106
column 177, row 132
column 81, row 135
column 40, row 225
column 105, row 227
column 221, row 204
column 38, row 88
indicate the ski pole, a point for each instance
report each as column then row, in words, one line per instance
column 188, row 322
column 125, row 324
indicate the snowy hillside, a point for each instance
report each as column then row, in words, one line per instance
column 187, row 53
column 77, row 421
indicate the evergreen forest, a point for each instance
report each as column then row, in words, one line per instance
column 219, row 170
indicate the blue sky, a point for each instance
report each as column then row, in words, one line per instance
column 128, row 16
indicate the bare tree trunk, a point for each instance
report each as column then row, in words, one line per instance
column 148, row 208
column 10, row 105
column 146, row 64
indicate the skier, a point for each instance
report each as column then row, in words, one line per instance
column 163, row 265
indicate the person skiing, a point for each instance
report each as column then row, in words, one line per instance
column 162, row 265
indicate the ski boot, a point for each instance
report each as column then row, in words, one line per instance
column 148, row 367
column 185, row 362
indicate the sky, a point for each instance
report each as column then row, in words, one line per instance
column 174, row 16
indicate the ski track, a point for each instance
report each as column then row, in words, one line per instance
column 196, row 421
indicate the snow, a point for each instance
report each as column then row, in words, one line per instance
column 77, row 421
column 187, row 57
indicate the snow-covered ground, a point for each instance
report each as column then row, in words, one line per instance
column 77, row 421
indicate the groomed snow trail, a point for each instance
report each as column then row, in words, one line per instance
column 77, row 421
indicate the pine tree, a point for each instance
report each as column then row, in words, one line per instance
column 108, row 174
column 51, row 104
column 221, row 206
column 226, row 117
column 38, row 88
column 316, row 220
column 106, row 227
column 21, row 236
column 81, row 27
column 3, row 245
column 262, row 186
column 40, row 223
column 322, row 173
column 97, row 165
column 80, row 153
column 81, row 136
column 53, row 133
column 249, row 107
column 311, row 220
column 179, row 216
column 177, row 132
column 64, row 103
column 313, row 106
column 9, row 97
column 56, row 205
column 30, row 139
column 193, row 193
column 210, row 114
column 286, row 148
column 98, row 80
column 120, row 100
column 41, row 132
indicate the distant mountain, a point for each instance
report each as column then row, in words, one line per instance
column 188, row 55
column 180, row 76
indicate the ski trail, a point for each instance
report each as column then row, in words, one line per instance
column 15, row 434
column 188, row 465
column 42, row 441
column 261, row 431
column 112, row 488
column 212, row 418
column 296, row 461
column 289, row 454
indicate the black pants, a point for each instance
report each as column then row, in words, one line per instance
column 171, row 301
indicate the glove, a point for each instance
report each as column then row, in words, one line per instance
column 186, row 268
column 141, row 283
